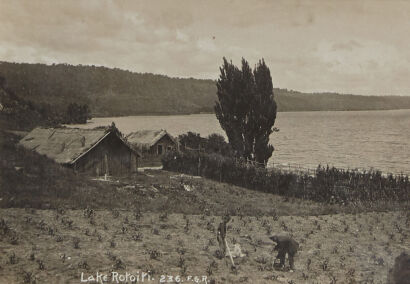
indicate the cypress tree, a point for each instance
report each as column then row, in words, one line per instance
column 246, row 109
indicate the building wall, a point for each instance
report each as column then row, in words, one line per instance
column 110, row 157
column 152, row 157
column 165, row 143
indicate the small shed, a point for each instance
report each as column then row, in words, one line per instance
column 96, row 151
column 152, row 144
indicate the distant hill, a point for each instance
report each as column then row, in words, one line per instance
column 116, row 92
column 289, row 100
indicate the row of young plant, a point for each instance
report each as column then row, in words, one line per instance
column 330, row 185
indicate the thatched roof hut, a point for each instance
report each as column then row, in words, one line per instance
column 100, row 150
column 152, row 141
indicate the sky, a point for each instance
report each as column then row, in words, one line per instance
column 358, row 47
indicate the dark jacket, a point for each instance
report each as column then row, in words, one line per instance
column 285, row 244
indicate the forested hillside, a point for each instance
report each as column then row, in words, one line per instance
column 20, row 114
column 289, row 100
column 115, row 92
column 108, row 92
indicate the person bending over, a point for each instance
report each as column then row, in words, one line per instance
column 285, row 245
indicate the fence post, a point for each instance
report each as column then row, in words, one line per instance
column 220, row 171
column 199, row 160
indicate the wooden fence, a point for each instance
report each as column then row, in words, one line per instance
column 309, row 169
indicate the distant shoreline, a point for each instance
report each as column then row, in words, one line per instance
column 287, row 111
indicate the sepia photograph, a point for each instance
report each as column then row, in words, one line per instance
column 214, row 141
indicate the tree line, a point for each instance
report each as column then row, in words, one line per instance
column 116, row 92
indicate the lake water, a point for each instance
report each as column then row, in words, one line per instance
column 346, row 139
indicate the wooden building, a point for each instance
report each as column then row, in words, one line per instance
column 152, row 144
column 96, row 151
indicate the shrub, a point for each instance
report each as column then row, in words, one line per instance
column 28, row 277
column 329, row 185
column 76, row 243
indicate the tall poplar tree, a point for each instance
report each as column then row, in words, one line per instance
column 246, row 109
column 264, row 112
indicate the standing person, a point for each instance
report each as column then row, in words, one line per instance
column 221, row 234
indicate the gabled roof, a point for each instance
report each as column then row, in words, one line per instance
column 65, row 145
column 144, row 139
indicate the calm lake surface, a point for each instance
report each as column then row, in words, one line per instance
column 346, row 139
